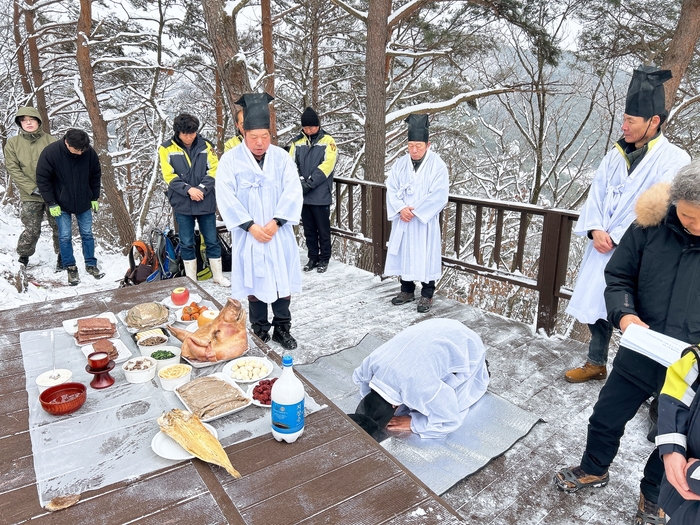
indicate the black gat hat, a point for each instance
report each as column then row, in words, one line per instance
column 256, row 110
column 645, row 95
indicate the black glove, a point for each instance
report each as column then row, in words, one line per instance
column 306, row 187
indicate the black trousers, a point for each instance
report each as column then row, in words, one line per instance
column 258, row 313
column 617, row 404
column 317, row 230
column 427, row 289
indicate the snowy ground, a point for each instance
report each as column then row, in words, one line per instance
column 338, row 308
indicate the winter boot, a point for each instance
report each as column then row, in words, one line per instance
column 217, row 273
column 585, row 373
column 95, row 272
column 191, row 269
column 73, row 278
column 262, row 334
column 282, row 336
column 59, row 264
column 403, row 298
column 322, row 267
column 424, row 304
column 24, row 260
column 649, row 513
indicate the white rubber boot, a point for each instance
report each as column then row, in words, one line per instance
column 191, row 269
column 217, row 272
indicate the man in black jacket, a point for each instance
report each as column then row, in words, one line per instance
column 652, row 282
column 68, row 176
column 315, row 153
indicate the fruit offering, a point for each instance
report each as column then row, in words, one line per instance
column 180, row 296
column 192, row 312
column 207, row 316
column 261, row 392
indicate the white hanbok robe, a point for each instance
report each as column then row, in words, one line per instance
column 414, row 251
column 245, row 192
column 610, row 208
column 434, row 371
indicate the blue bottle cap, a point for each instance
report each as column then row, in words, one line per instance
column 287, row 360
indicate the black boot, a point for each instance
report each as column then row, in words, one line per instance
column 59, row 264
column 282, row 336
column 263, row 335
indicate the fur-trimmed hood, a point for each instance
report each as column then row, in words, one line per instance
column 652, row 205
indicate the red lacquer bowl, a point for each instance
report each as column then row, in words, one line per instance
column 63, row 399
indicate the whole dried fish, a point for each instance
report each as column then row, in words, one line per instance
column 190, row 434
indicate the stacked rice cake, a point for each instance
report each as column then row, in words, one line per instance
column 94, row 329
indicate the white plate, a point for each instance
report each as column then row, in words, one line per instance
column 231, row 382
column 166, row 447
column 71, row 325
column 122, row 317
column 169, row 302
column 178, row 315
column 229, row 366
column 250, row 394
column 124, row 352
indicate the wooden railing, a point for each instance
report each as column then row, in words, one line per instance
column 358, row 202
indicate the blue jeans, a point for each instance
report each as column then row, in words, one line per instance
column 65, row 237
column 207, row 227
column 601, row 332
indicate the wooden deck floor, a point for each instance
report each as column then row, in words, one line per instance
column 337, row 308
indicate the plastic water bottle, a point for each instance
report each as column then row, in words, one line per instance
column 287, row 404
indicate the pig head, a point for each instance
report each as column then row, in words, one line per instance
column 223, row 338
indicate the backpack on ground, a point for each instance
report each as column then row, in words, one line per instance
column 166, row 247
column 147, row 269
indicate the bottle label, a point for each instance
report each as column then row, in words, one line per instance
column 287, row 419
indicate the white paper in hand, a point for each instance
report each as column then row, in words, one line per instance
column 659, row 347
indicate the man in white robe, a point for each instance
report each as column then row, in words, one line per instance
column 416, row 193
column 423, row 380
column 260, row 199
column 640, row 159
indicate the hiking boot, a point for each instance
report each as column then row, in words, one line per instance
column 403, row 298
column 573, row 479
column 59, row 264
column 73, row 278
column 585, row 373
column 310, row 265
column 322, row 267
column 24, row 261
column 424, row 304
column 263, row 335
column 95, row 272
column 649, row 513
column 282, row 336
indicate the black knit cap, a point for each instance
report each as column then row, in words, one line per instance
column 309, row 118
column 256, row 114
column 645, row 95
column 417, row 128
column 373, row 414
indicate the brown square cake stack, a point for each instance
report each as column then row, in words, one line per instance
column 106, row 346
column 93, row 329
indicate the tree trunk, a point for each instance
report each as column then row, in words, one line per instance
column 37, row 73
column 223, row 37
column 269, row 61
column 219, row 109
column 682, row 47
column 375, row 123
column 125, row 227
column 21, row 65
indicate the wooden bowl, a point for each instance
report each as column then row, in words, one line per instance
column 98, row 360
column 63, row 399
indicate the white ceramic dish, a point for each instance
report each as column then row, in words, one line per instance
column 250, row 394
column 230, row 367
column 124, row 352
column 166, row 447
column 162, row 363
column 44, row 381
column 71, row 325
column 231, row 382
column 169, row 302
column 140, row 376
column 172, row 384
column 147, row 349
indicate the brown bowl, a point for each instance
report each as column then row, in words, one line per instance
column 63, row 399
column 98, row 360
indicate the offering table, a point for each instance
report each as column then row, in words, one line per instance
column 334, row 473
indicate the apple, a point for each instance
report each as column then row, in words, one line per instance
column 180, row 296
